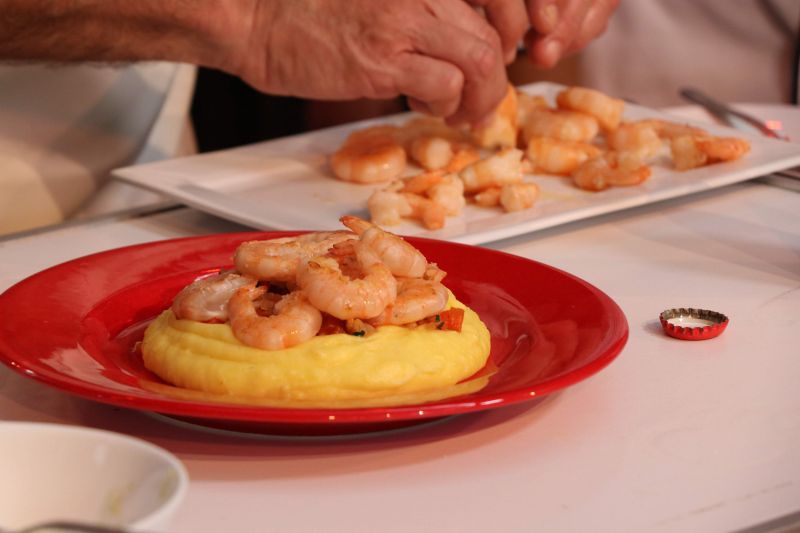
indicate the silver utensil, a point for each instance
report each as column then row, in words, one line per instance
column 68, row 527
column 785, row 179
column 727, row 114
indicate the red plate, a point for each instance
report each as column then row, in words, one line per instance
column 74, row 326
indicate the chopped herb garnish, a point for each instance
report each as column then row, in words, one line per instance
column 358, row 333
column 438, row 318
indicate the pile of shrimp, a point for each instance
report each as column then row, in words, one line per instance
column 285, row 291
column 582, row 138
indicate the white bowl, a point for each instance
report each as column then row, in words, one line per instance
column 55, row 472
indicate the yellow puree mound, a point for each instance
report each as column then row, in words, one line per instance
column 392, row 366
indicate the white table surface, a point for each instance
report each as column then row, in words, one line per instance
column 672, row 436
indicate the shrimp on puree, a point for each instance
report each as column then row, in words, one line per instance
column 324, row 370
column 354, row 318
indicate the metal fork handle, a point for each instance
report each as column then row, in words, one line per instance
column 793, row 173
column 725, row 112
column 74, row 527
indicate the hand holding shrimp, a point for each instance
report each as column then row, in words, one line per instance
column 444, row 56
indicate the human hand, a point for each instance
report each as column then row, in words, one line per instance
column 444, row 56
column 561, row 27
column 509, row 18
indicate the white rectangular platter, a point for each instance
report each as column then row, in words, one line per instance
column 285, row 184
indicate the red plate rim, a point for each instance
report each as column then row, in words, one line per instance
column 197, row 254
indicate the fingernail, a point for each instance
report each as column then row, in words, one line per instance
column 511, row 55
column 549, row 16
column 553, row 51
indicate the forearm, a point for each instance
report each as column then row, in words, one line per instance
column 443, row 55
column 204, row 32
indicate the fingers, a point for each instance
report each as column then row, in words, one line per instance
column 485, row 78
column 559, row 27
column 543, row 15
column 443, row 54
column 433, row 87
column 595, row 23
column 510, row 19
column 546, row 49
column 474, row 48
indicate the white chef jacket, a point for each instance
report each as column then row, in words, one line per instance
column 733, row 49
column 64, row 128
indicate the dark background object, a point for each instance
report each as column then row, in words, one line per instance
column 227, row 112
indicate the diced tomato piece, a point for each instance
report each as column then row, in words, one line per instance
column 331, row 325
column 452, row 319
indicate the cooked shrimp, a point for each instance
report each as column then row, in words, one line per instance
column 416, row 299
column 639, row 137
column 431, row 152
column 430, row 213
column 397, row 254
column 207, row 298
column 501, row 131
column 518, row 196
column 411, row 199
column 626, row 160
column 294, row 321
column 430, row 127
column 273, row 259
column 345, row 254
column 359, row 327
column 488, row 197
column 609, row 170
column 330, row 291
column 388, row 207
column 448, row 192
column 435, row 153
column 432, row 143
column 464, row 155
column 499, row 169
column 265, row 306
column 369, row 156
column 723, row 148
column 527, row 103
column 434, row 273
column 553, row 156
column 278, row 259
column 671, row 130
column 527, row 166
column 686, row 154
column 559, row 124
column 420, row 183
column 690, row 151
column 605, row 109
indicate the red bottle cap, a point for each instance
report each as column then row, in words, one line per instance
column 693, row 324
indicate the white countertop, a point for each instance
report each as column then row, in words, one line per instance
column 672, row 436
